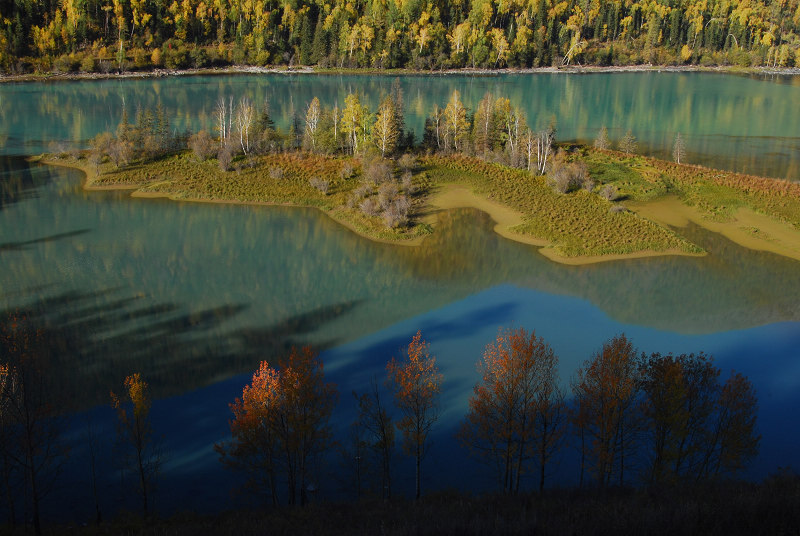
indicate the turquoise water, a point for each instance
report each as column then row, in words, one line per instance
column 193, row 296
column 732, row 122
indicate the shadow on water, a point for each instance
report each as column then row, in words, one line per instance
column 19, row 181
column 25, row 244
column 95, row 339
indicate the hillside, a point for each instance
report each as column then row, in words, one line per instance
column 119, row 35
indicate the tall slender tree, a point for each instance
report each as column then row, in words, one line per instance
column 416, row 383
column 384, row 132
column 142, row 451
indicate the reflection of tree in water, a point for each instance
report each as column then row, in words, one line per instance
column 654, row 105
column 93, row 340
column 731, row 288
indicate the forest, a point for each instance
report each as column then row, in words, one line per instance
column 120, row 35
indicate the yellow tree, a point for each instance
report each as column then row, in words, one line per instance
column 483, row 125
column 456, row 125
column 515, row 411
column 354, row 121
column 458, row 40
column 384, row 131
column 500, row 45
column 416, row 384
column 313, row 116
column 135, row 434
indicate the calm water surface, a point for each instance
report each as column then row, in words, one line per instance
column 193, row 296
column 732, row 122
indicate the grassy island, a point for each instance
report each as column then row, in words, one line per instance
column 655, row 197
column 581, row 204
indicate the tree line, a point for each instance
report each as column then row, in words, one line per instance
column 122, row 34
column 383, row 148
column 633, row 418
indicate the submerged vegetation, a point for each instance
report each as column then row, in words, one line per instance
column 366, row 171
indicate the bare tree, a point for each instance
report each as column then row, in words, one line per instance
column 376, row 421
column 313, row 115
column 31, row 428
column 245, row 113
column 628, row 143
column 544, row 146
column 602, row 141
column 679, row 149
column 222, row 124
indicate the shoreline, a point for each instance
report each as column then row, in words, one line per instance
column 777, row 237
column 308, row 70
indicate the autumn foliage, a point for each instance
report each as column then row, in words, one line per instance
column 416, row 384
column 140, row 448
column 605, row 390
column 280, row 424
column 515, row 411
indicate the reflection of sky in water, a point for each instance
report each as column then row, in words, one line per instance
column 457, row 333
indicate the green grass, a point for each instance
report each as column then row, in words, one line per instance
column 576, row 224
column 253, row 180
column 717, row 194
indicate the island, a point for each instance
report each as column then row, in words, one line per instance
column 581, row 204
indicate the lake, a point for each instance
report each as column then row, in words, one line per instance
column 194, row 295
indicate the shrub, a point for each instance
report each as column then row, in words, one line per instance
column 365, row 190
column 396, row 214
column 88, row 65
column 199, row 57
column 387, row 193
column 568, row 177
column 155, row 58
column 347, row 170
column 408, row 184
column 224, row 158
column 202, row 145
column 370, row 207
column 175, row 55
column 608, row 192
column 407, row 162
column 320, row 184
column 65, row 64
column 378, row 170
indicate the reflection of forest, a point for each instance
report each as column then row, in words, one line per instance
column 724, row 124
column 188, row 294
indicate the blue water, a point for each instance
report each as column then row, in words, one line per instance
column 193, row 422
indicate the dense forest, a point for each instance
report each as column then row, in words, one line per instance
column 116, row 35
